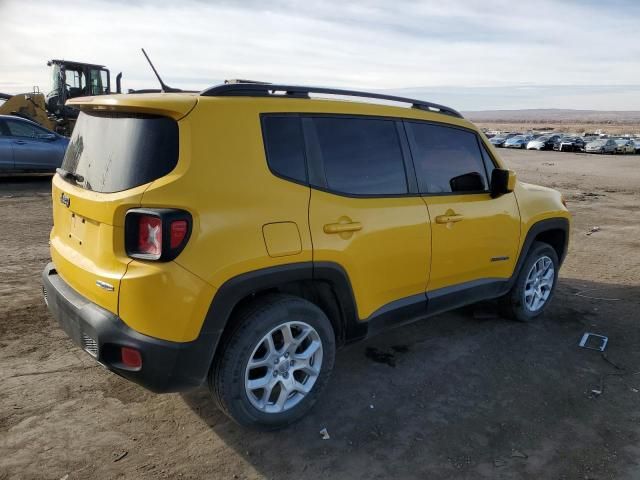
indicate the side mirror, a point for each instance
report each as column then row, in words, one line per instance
column 469, row 182
column 502, row 181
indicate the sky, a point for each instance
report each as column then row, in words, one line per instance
column 471, row 55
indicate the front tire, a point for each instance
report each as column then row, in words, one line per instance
column 534, row 286
column 274, row 365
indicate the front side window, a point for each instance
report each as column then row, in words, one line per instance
column 488, row 161
column 23, row 129
column 447, row 159
column 361, row 156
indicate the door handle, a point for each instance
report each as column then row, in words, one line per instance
column 342, row 227
column 19, row 142
column 449, row 218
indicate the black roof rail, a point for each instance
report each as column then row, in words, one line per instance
column 250, row 89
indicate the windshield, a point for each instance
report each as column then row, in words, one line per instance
column 516, row 138
column 542, row 139
column 598, row 142
column 115, row 152
column 621, row 142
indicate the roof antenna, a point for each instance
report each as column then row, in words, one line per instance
column 164, row 88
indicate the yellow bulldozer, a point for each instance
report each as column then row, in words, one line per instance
column 69, row 80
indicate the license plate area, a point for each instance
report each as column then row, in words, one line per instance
column 78, row 227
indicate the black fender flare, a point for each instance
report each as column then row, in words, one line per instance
column 559, row 223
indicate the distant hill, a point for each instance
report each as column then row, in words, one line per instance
column 553, row 115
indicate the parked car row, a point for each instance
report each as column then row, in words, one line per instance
column 565, row 143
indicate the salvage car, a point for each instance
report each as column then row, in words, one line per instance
column 569, row 144
column 25, row 146
column 519, row 141
column 625, row 145
column 544, row 142
column 237, row 236
column 603, row 145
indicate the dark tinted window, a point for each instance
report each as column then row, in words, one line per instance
column 24, row 129
column 361, row 156
column 446, row 159
column 488, row 162
column 285, row 146
column 115, row 152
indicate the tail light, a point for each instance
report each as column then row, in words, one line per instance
column 156, row 234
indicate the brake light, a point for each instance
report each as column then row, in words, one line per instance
column 156, row 234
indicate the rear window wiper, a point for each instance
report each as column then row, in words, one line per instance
column 70, row 175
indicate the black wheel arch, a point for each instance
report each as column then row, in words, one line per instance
column 325, row 284
column 553, row 231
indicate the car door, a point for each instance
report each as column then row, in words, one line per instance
column 475, row 237
column 6, row 148
column 364, row 213
column 34, row 148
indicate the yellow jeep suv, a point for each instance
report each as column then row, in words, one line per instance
column 237, row 236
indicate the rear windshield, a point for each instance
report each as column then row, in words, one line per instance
column 115, row 151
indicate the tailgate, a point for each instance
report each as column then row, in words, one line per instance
column 87, row 246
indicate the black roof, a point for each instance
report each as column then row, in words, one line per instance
column 72, row 63
column 251, row 89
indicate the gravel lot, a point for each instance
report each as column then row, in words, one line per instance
column 462, row 395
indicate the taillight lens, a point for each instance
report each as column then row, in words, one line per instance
column 178, row 230
column 156, row 234
column 150, row 235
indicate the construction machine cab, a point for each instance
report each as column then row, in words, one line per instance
column 76, row 79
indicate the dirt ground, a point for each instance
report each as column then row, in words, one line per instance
column 462, row 395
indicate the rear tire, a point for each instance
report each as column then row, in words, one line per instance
column 535, row 285
column 275, row 363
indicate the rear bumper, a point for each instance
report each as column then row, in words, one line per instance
column 166, row 366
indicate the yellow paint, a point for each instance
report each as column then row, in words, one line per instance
column 245, row 219
column 282, row 239
column 388, row 258
column 483, row 228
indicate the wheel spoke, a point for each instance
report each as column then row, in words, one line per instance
column 260, row 362
column 300, row 338
column 287, row 336
column 307, row 369
column 282, row 397
column 266, row 394
column 301, row 387
column 270, row 345
column 309, row 351
column 258, row 383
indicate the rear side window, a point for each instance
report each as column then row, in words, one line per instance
column 361, row 156
column 115, row 152
column 447, row 160
column 284, row 145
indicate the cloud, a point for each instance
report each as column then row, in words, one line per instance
column 370, row 45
